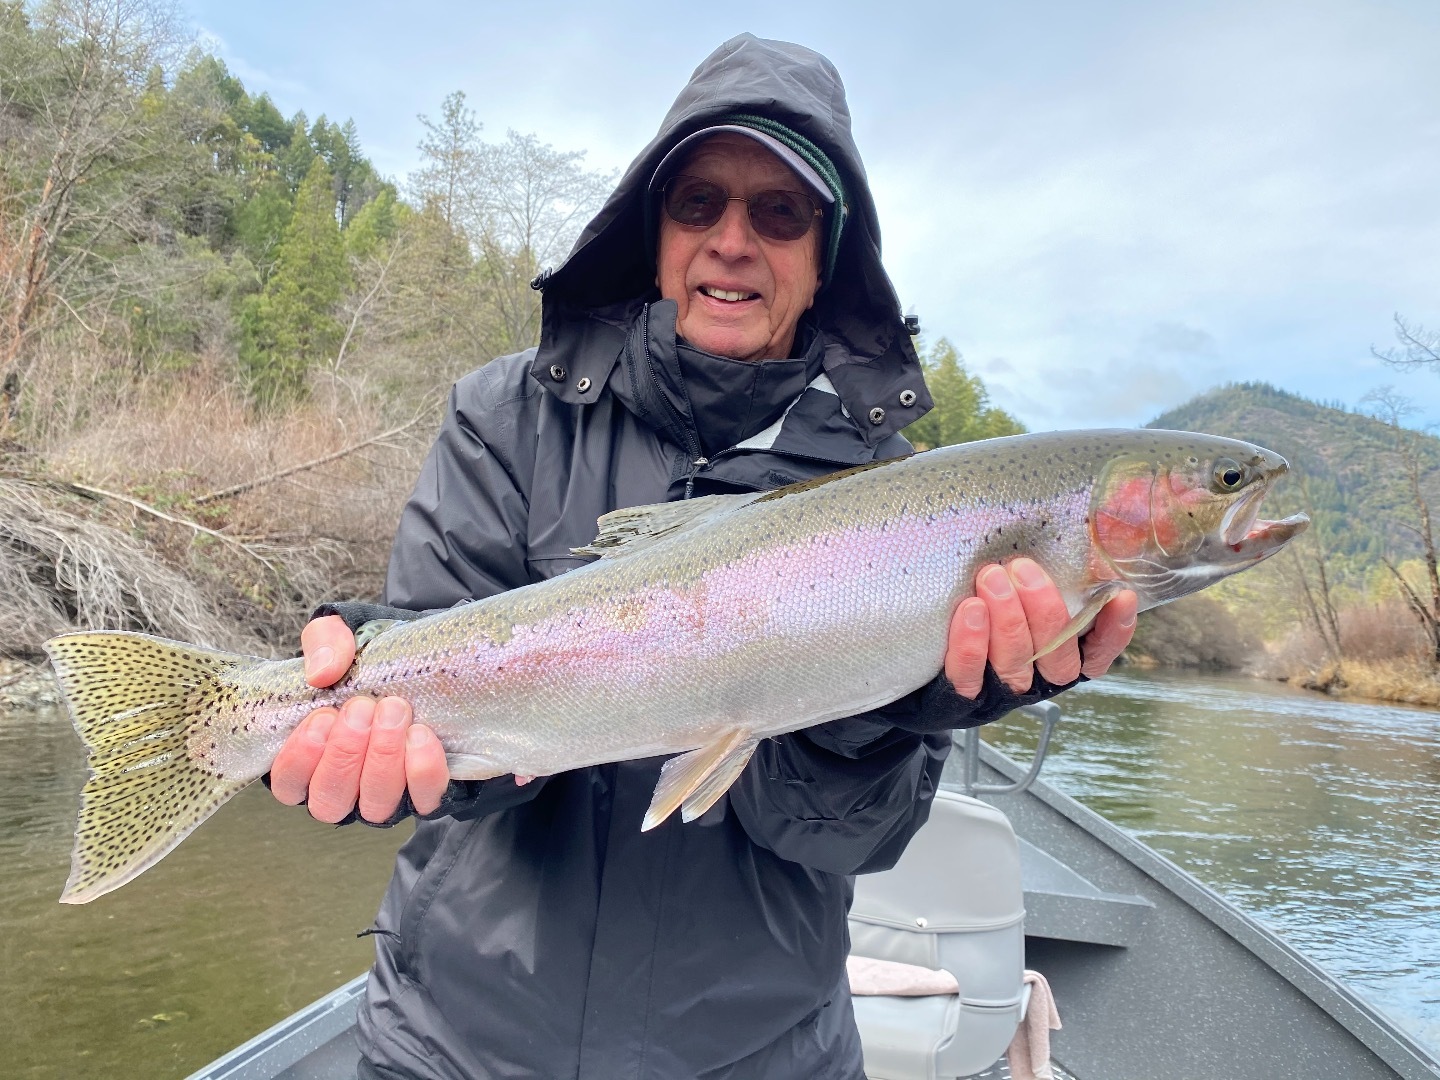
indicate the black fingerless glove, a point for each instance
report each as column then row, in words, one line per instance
column 356, row 613
column 940, row 706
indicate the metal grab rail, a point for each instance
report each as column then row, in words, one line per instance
column 1047, row 712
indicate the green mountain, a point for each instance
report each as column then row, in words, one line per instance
column 1343, row 463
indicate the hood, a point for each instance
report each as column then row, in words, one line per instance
column 868, row 354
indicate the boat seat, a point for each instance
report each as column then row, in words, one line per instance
column 953, row 902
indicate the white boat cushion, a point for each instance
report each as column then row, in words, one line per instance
column 875, row 978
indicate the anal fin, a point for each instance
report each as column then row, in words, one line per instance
column 1098, row 599
column 725, row 773
column 683, row 775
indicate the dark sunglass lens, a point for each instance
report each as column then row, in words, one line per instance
column 692, row 201
column 781, row 215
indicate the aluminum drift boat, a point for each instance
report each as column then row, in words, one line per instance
column 1156, row 975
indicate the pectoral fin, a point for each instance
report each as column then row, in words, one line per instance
column 473, row 767
column 683, row 777
column 1098, row 599
column 369, row 631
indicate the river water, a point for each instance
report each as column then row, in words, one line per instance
column 1322, row 818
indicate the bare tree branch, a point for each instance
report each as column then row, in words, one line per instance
column 1418, row 347
column 249, row 485
column 86, row 489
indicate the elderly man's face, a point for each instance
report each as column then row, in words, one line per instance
column 777, row 278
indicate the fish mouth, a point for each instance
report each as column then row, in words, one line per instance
column 1241, row 516
column 1265, row 538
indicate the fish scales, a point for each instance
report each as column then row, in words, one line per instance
column 707, row 626
column 717, row 637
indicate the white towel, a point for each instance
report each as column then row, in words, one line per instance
column 1029, row 1052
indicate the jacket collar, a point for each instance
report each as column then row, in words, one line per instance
column 580, row 351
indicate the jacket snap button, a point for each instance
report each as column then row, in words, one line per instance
column 907, row 398
column 877, row 415
column 557, row 372
column 583, row 384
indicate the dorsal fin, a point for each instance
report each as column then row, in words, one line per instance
column 807, row 485
column 636, row 527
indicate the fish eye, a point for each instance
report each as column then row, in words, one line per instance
column 1228, row 474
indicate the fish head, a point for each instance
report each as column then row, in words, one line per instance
column 1182, row 510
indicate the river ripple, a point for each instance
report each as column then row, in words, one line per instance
column 1320, row 817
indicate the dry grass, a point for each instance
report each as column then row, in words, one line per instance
column 1384, row 658
column 258, row 562
column 1408, row 680
column 62, row 568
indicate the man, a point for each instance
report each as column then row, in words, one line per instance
column 724, row 324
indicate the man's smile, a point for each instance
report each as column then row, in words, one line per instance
column 728, row 295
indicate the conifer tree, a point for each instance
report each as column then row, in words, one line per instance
column 295, row 161
column 291, row 326
column 373, row 225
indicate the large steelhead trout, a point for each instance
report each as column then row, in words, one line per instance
column 704, row 627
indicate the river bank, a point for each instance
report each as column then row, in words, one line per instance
column 1403, row 680
column 26, row 685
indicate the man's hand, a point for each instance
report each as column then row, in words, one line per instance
column 364, row 754
column 1017, row 609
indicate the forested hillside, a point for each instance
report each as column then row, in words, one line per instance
column 224, row 338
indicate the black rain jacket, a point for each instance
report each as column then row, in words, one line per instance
column 536, row 931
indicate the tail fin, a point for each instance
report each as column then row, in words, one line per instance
column 132, row 699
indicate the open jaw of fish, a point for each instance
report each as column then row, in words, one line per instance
column 703, row 627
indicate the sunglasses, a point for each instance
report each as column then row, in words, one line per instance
column 774, row 214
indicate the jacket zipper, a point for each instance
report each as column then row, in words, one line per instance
column 698, row 460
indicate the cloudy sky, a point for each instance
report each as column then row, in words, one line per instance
column 1108, row 207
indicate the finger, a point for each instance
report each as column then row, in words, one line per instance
column 1114, row 627
column 329, row 649
column 521, row 779
column 426, row 772
column 1048, row 616
column 335, row 786
column 967, row 646
column 382, row 776
column 291, row 770
column 1010, row 643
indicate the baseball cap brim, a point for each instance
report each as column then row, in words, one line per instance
column 671, row 162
